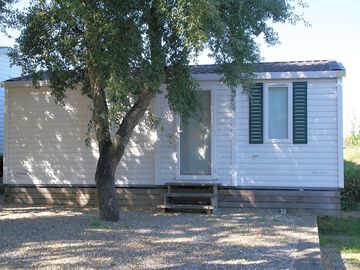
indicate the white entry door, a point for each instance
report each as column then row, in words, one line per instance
column 195, row 141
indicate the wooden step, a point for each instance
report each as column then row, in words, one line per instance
column 189, row 195
column 186, row 206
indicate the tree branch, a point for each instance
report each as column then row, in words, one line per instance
column 130, row 120
column 101, row 112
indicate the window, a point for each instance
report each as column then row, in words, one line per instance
column 278, row 112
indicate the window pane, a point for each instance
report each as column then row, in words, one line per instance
column 278, row 113
column 195, row 140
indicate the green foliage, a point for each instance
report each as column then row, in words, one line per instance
column 97, row 224
column 338, row 225
column 6, row 14
column 341, row 233
column 134, row 45
column 354, row 138
column 350, row 194
column 351, row 141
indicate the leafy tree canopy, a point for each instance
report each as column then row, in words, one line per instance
column 6, row 13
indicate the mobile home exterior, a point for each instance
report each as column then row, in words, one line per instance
column 280, row 147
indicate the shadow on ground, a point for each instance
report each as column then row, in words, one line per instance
column 69, row 238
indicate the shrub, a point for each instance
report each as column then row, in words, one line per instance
column 350, row 194
column 354, row 138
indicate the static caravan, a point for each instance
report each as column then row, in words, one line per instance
column 279, row 148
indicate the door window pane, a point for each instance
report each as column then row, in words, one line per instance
column 195, row 140
column 278, row 113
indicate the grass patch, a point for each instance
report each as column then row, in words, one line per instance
column 342, row 234
column 241, row 227
column 343, row 226
column 97, row 224
column 283, row 241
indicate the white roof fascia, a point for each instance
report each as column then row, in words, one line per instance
column 280, row 75
column 216, row 77
column 301, row 75
column 20, row 84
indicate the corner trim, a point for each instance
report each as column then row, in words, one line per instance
column 340, row 133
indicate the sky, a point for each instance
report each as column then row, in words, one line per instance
column 334, row 34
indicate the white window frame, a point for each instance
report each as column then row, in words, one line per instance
column 212, row 176
column 266, row 116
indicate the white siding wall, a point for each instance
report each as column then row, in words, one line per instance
column 46, row 142
column 223, row 123
column 166, row 145
column 293, row 165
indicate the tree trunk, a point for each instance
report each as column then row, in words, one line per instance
column 105, row 186
column 111, row 151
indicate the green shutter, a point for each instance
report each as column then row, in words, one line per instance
column 300, row 112
column 256, row 114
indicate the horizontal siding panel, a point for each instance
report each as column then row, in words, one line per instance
column 293, row 172
column 288, row 148
column 322, row 96
column 38, row 117
column 322, row 91
column 311, row 143
column 332, row 131
column 290, row 167
column 325, row 102
column 322, row 120
column 313, row 123
column 49, row 124
column 288, row 180
column 75, row 166
column 293, row 160
column 318, row 111
column 314, row 138
column 18, row 152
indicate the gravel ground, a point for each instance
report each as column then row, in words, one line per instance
column 58, row 238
